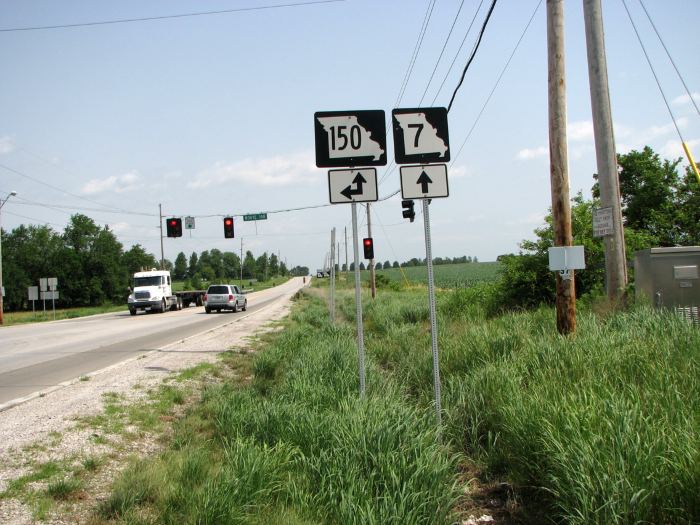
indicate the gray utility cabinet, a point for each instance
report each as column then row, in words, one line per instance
column 669, row 277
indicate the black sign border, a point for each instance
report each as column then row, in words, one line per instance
column 373, row 120
column 437, row 117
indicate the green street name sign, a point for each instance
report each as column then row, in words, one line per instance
column 255, row 217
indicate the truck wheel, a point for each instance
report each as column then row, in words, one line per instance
column 179, row 303
column 198, row 301
column 245, row 305
column 163, row 306
column 132, row 311
column 207, row 309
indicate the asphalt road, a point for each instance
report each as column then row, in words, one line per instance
column 34, row 357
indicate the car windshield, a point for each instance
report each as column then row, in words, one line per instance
column 218, row 289
column 147, row 281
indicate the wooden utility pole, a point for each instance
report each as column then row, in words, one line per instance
column 162, row 253
column 371, row 261
column 608, row 179
column 559, row 162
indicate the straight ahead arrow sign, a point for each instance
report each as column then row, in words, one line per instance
column 424, row 180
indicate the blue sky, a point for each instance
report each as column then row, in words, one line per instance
column 212, row 115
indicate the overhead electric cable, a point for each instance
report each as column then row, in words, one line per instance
column 686, row 148
column 498, row 81
column 165, row 17
column 86, row 199
column 471, row 58
column 442, row 52
column 668, row 54
column 461, row 45
column 416, row 51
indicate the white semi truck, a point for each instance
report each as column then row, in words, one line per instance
column 153, row 292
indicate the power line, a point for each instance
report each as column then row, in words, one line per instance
column 416, row 50
column 86, row 199
column 498, row 81
column 449, row 70
column 668, row 54
column 165, row 17
column 471, row 58
column 653, row 71
column 442, row 52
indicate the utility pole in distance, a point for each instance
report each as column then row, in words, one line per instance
column 162, row 253
column 608, row 179
column 559, row 162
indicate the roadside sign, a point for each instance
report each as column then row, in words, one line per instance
column 189, row 223
column 48, row 296
column 347, row 186
column 52, row 282
column 350, row 138
column 424, row 182
column 43, row 284
column 255, row 217
column 33, row 293
column 603, row 222
column 420, row 135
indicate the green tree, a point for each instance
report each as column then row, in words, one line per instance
column 180, row 269
column 261, row 266
column 395, row 264
column 194, row 261
column 232, row 265
column 137, row 258
column 249, row 265
column 273, row 265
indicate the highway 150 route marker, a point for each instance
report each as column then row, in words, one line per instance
column 351, row 139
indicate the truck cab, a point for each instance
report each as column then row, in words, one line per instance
column 153, row 292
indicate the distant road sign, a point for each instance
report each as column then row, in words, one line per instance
column 420, row 135
column 347, row 186
column 33, row 293
column 43, row 284
column 48, row 296
column 350, row 138
column 52, row 282
column 424, row 182
column 189, row 223
column 255, row 217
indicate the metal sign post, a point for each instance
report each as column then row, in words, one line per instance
column 421, row 136
column 332, row 287
column 433, row 314
column 358, row 303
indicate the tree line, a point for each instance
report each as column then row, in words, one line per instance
column 411, row 262
column 93, row 268
column 660, row 208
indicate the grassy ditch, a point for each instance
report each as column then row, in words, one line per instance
column 10, row 318
column 597, row 428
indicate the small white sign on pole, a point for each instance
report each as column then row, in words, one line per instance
column 603, row 222
column 33, row 293
column 43, row 284
column 49, row 296
column 563, row 259
column 52, row 282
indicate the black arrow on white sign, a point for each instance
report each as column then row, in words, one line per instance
column 359, row 180
column 424, row 180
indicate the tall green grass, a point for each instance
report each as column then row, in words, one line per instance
column 600, row 428
column 297, row 446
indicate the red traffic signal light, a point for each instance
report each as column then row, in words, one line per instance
column 174, row 227
column 368, row 245
column 228, row 227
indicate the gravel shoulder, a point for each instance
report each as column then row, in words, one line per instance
column 45, row 428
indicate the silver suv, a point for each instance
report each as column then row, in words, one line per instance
column 224, row 297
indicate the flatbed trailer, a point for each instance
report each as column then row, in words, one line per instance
column 188, row 297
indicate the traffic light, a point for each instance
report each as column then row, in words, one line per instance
column 408, row 212
column 228, row 227
column 368, row 245
column 174, row 225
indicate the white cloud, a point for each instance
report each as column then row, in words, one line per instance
column 685, row 99
column 534, row 219
column 298, row 168
column 581, row 130
column 674, row 149
column 533, row 153
column 460, row 172
column 115, row 183
column 7, row 145
column 659, row 131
